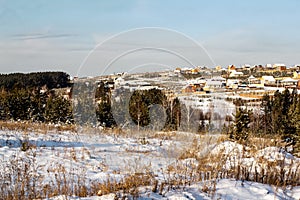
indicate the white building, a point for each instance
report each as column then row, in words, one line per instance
column 268, row 80
column 216, row 82
column 234, row 73
column 232, row 84
column 119, row 81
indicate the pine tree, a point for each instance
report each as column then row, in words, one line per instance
column 266, row 118
column 104, row 110
column 138, row 109
column 58, row 110
column 293, row 137
column 241, row 125
column 19, row 104
column 277, row 113
column 4, row 109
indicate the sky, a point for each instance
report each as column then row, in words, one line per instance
column 89, row 37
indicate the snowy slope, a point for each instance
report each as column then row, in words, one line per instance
column 99, row 156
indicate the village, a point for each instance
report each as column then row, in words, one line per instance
column 257, row 76
column 245, row 82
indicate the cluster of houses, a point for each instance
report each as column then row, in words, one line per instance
column 205, row 80
column 234, row 71
column 245, row 77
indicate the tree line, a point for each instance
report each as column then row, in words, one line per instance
column 32, row 97
column 34, row 80
column 24, row 104
column 31, row 103
column 278, row 115
column 21, row 98
column 141, row 108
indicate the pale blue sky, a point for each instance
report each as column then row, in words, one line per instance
column 38, row 35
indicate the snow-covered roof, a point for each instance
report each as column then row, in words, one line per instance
column 120, row 79
column 268, row 78
column 268, row 65
column 289, row 80
column 218, row 78
column 233, row 73
column 230, row 81
column 213, row 82
column 278, row 64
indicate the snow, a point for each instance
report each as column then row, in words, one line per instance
column 104, row 197
column 228, row 148
column 99, row 156
column 226, row 189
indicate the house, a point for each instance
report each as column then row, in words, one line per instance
column 289, row 82
column 269, row 67
column 119, row 81
column 235, row 74
column 254, row 82
column 268, row 80
column 298, row 84
column 216, row 82
column 189, row 89
column 279, row 67
column 252, row 79
column 296, row 75
column 218, row 68
column 201, row 81
column 186, row 70
column 231, row 68
column 232, row 84
column 297, row 66
column 177, row 70
column 259, row 67
column 195, row 71
column 246, row 66
column 146, row 87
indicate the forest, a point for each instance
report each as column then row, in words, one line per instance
column 21, row 99
column 34, row 80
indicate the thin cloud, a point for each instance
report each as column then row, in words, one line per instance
column 38, row 36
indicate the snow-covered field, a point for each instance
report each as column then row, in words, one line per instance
column 92, row 156
column 225, row 189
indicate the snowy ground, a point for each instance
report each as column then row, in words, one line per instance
column 226, row 189
column 102, row 156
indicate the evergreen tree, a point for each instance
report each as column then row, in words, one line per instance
column 266, row 118
column 52, row 80
column 38, row 104
column 58, row 110
column 4, row 108
column 277, row 113
column 103, row 110
column 241, row 125
column 138, row 109
column 292, row 136
column 19, row 104
column 173, row 115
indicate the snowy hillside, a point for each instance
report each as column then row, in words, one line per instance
column 170, row 166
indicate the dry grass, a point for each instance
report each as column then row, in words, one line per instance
column 129, row 185
column 265, row 141
column 38, row 127
column 19, row 178
column 278, row 172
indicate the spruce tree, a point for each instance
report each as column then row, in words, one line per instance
column 277, row 113
column 266, row 118
column 241, row 125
